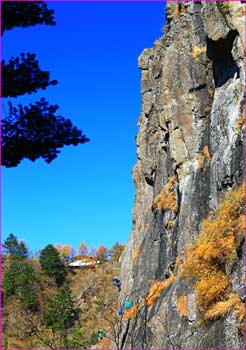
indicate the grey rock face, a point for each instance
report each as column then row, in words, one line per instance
column 192, row 94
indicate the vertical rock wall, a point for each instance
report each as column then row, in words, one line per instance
column 188, row 144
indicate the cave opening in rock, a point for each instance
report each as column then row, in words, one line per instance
column 220, row 52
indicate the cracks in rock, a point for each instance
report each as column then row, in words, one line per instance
column 125, row 335
column 220, row 52
column 166, row 136
column 198, row 88
column 226, row 183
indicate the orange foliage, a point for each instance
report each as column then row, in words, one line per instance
column 201, row 161
column 102, row 253
column 203, row 156
column 211, row 289
column 65, row 250
column 170, row 224
column 136, row 253
column 206, row 152
column 240, row 122
column 165, row 199
column 206, row 258
column 182, row 306
column 176, row 11
column 130, row 313
column 221, row 308
column 157, row 288
column 207, row 109
column 154, row 293
column 104, row 344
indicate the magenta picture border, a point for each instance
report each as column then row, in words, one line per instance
column 244, row 148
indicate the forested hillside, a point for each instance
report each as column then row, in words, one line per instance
column 48, row 304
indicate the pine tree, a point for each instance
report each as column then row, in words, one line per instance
column 52, row 264
column 35, row 130
column 14, row 248
column 20, row 280
column 61, row 313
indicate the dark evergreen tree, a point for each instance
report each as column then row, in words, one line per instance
column 36, row 130
column 25, row 76
column 20, row 280
column 25, row 14
column 52, row 264
column 14, row 248
column 61, row 313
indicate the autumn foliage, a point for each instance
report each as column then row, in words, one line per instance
column 158, row 288
column 136, row 253
column 165, row 199
column 182, row 306
column 206, row 259
column 155, row 291
column 203, row 156
column 130, row 313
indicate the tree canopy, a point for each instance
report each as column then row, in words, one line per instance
column 52, row 264
column 35, row 130
column 25, row 14
column 19, row 277
column 15, row 248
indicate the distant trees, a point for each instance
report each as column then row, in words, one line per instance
column 83, row 250
column 15, row 248
column 19, row 277
column 102, row 253
column 93, row 251
column 116, row 251
column 20, row 280
column 46, row 313
column 66, row 251
column 35, row 130
column 52, row 264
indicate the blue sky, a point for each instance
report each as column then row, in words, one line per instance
column 87, row 193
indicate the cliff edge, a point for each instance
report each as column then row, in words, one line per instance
column 182, row 268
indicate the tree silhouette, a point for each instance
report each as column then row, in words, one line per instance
column 25, row 14
column 35, row 130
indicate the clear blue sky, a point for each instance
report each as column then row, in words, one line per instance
column 86, row 193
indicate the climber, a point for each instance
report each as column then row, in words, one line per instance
column 117, row 283
column 100, row 334
column 128, row 304
column 121, row 312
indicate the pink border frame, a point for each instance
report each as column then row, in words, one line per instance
column 244, row 136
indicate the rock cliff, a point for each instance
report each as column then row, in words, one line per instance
column 190, row 158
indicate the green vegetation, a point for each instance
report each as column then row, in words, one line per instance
column 61, row 313
column 52, row 264
column 48, row 305
column 15, row 248
column 19, row 279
